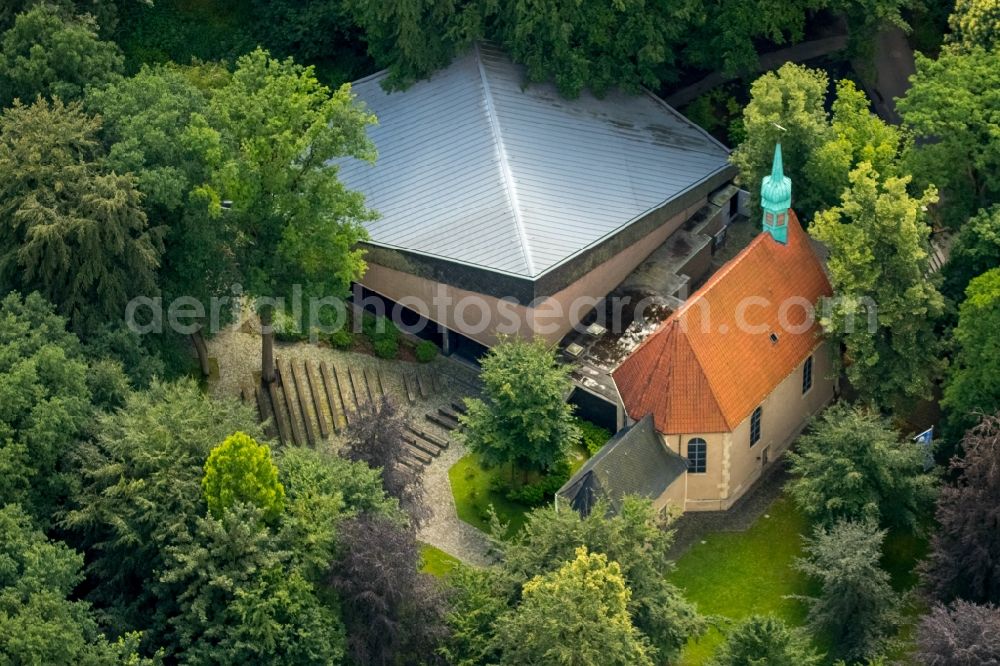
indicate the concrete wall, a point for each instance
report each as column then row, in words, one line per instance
column 479, row 316
column 733, row 465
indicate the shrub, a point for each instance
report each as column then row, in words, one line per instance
column 541, row 491
column 426, row 351
column 286, row 329
column 342, row 339
column 386, row 347
column 593, row 436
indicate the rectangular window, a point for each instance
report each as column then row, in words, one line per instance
column 755, row 427
column 807, row 375
column 697, row 454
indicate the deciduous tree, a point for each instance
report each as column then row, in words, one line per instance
column 973, row 386
column 976, row 250
column 49, row 51
column 241, row 470
column 763, row 640
column 577, row 614
column 376, row 438
column 884, row 306
column 524, row 419
column 69, row 228
column 964, row 558
column 961, row 634
column 393, row 613
column 270, row 135
column 791, row 98
column 856, row 606
column 975, row 23
column 953, row 107
column 852, row 465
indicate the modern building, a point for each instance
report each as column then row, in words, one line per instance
column 729, row 379
column 505, row 208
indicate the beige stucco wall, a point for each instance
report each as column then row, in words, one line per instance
column 481, row 317
column 733, row 465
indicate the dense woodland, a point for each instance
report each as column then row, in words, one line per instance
column 177, row 148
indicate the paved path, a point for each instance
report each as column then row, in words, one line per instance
column 445, row 530
column 889, row 78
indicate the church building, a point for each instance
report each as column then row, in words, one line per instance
column 726, row 382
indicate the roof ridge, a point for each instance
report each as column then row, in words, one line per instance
column 505, row 171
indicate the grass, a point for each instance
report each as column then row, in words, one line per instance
column 471, row 485
column 436, row 561
column 733, row 575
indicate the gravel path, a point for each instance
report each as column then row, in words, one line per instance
column 238, row 353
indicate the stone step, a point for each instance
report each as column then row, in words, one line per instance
column 427, row 436
column 426, row 447
column 318, row 396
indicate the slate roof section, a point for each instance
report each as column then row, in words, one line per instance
column 703, row 372
column 634, row 462
column 474, row 168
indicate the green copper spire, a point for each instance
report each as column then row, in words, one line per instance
column 776, row 199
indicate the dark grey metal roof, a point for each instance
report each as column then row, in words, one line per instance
column 634, row 462
column 476, row 169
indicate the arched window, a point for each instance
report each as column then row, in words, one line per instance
column 697, row 455
column 769, row 217
column 807, row 375
column 755, row 426
column 781, row 219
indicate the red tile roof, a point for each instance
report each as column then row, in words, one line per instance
column 703, row 371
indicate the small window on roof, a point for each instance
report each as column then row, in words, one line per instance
column 774, row 338
column 697, row 454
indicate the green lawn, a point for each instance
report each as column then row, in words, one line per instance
column 471, row 486
column 734, row 575
column 436, row 561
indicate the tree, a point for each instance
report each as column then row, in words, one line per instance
column 763, row 640
column 524, row 420
column 856, row 135
column 104, row 11
column 577, row 614
column 856, row 605
column 47, row 404
column 50, row 52
column 974, row 378
column 569, row 42
column 393, row 612
column 273, row 131
column 375, row 437
column 36, row 583
column 878, row 265
column 241, row 600
column 852, row 465
column 953, row 106
column 240, row 470
column 976, row 250
column 69, row 229
column 975, row 23
column 961, row 634
column 140, row 493
column 636, row 538
column 792, row 98
column 964, row 558
column 412, row 38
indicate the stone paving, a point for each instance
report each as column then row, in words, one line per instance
column 238, row 354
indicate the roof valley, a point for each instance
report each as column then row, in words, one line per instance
column 505, row 171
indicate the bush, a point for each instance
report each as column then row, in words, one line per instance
column 541, row 491
column 593, row 436
column 386, row 348
column 426, row 351
column 286, row 329
column 342, row 339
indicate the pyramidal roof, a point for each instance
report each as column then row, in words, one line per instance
column 714, row 360
column 474, row 168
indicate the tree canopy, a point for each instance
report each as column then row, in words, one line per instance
column 524, row 419
column 241, row 470
column 962, row 634
column 852, row 465
column 588, row 591
column 884, row 306
column 953, row 107
column 763, row 640
column 69, row 228
column 49, row 51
